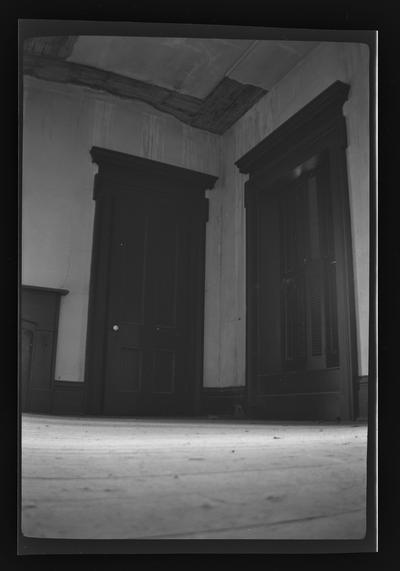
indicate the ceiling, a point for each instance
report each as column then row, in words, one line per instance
column 207, row 83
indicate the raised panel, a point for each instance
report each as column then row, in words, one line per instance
column 128, row 260
column 165, row 254
column 294, row 238
column 268, row 287
column 163, row 371
column 128, row 373
column 315, row 309
column 300, row 321
column 299, row 382
column 331, row 322
column 325, row 209
column 314, row 218
column 42, row 360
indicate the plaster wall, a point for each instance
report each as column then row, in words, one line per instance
column 61, row 124
column 224, row 362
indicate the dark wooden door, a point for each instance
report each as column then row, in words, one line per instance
column 147, row 305
column 298, row 368
column 300, row 348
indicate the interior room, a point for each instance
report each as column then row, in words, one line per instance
column 195, row 285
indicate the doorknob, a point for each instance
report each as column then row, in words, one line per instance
column 115, row 327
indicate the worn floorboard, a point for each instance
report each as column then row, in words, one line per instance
column 144, row 478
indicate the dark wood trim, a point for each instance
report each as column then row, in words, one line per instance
column 362, row 389
column 45, row 289
column 68, row 398
column 251, row 296
column 319, row 126
column 319, row 116
column 345, row 277
column 216, row 113
column 97, row 309
column 225, row 402
column 145, row 175
column 362, row 380
column 49, row 327
column 68, row 385
column 149, row 172
column 199, row 271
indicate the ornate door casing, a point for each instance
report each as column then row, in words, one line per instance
column 300, row 353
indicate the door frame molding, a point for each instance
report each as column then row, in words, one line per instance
column 317, row 126
column 144, row 175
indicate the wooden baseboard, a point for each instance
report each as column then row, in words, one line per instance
column 68, row 398
column 362, row 397
column 307, row 407
column 227, row 402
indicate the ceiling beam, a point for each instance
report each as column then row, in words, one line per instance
column 226, row 104
column 216, row 113
column 183, row 107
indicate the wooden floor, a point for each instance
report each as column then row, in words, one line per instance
column 142, row 478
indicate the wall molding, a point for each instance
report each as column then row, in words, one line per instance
column 68, row 398
column 321, row 115
column 224, row 402
column 44, row 289
column 147, row 172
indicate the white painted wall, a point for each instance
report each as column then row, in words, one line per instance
column 225, row 277
column 61, row 124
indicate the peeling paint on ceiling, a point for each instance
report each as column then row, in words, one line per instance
column 192, row 66
column 207, row 83
column 269, row 61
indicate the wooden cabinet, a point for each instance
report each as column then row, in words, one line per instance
column 39, row 326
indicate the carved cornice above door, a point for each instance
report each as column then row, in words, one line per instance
column 46, row 58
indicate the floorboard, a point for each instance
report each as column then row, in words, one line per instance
column 91, row 478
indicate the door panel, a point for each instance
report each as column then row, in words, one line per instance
column 268, row 288
column 163, row 380
column 126, row 307
column 164, row 255
column 146, row 304
column 296, row 291
column 301, row 359
column 41, row 364
column 145, row 356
